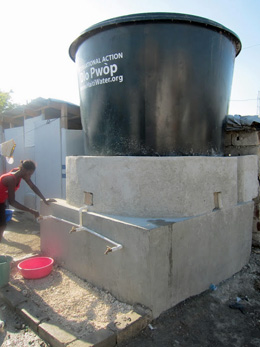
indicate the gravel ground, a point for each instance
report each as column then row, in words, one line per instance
column 15, row 332
column 74, row 304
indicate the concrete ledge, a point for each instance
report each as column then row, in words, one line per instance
column 126, row 326
column 31, row 314
column 80, row 343
column 102, row 338
column 61, row 209
column 54, row 334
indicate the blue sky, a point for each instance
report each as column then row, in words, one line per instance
column 36, row 35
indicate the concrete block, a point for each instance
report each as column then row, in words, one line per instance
column 31, row 314
column 101, row 338
column 201, row 250
column 20, row 258
column 128, row 325
column 227, row 138
column 245, row 138
column 80, row 343
column 163, row 261
column 54, row 335
column 152, row 186
column 61, row 209
column 12, row 296
column 247, row 173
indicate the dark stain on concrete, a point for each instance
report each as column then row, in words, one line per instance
column 160, row 222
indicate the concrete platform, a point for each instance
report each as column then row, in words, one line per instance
column 163, row 261
column 183, row 222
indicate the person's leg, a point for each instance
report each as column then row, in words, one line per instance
column 2, row 220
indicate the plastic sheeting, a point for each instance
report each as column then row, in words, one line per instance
column 238, row 122
column 7, row 148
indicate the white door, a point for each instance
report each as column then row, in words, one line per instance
column 48, row 159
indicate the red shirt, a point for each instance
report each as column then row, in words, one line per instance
column 4, row 189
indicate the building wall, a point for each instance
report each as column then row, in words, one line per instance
column 47, row 144
column 19, row 154
column 241, row 143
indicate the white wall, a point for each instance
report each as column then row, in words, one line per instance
column 48, row 145
column 48, row 158
column 18, row 135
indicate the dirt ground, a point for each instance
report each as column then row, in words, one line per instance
column 21, row 237
column 227, row 315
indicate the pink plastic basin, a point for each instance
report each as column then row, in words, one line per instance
column 37, row 267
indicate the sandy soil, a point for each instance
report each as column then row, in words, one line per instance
column 22, row 236
column 72, row 303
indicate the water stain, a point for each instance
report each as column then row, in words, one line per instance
column 161, row 222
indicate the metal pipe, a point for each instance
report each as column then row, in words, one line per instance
column 77, row 228
column 83, row 208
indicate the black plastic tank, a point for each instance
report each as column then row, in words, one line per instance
column 154, row 84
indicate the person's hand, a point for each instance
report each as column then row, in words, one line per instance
column 35, row 213
column 47, row 201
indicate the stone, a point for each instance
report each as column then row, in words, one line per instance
column 53, row 334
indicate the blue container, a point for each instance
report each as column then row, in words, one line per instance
column 8, row 215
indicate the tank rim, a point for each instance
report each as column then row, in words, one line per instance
column 151, row 17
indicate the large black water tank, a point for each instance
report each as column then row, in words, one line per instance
column 155, row 84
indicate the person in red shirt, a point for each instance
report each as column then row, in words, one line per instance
column 9, row 183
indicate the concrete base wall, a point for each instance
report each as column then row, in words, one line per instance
column 163, row 261
column 184, row 223
column 160, row 186
column 242, row 143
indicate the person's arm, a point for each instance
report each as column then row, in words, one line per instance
column 38, row 192
column 9, row 182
